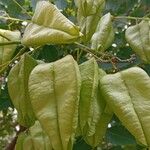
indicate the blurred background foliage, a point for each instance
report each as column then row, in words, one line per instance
column 117, row 137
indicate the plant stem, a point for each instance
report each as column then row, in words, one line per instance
column 130, row 17
column 10, row 43
column 22, row 8
column 14, row 19
column 4, row 37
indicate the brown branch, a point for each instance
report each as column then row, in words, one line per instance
column 11, row 145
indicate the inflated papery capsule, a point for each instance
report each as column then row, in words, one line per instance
column 138, row 38
column 128, row 94
column 18, row 89
column 49, row 26
column 54, row 91
column 104, row 35
column 7, row 51
column 93, row 118
column 88, row 15
column 33, row 139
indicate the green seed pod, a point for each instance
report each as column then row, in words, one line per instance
column 18, row 89
column 104, row 35
column 93, row 112
column 49, row 25
column 7, row 51
column 54, row 91
column 33, row 139
column 128, row 94
column 138, row 38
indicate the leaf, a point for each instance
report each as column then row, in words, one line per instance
column 93, row 120
column 118, row 135
column 88, row 15
column 18, row 89
column 49, row 26
column 54, row 90
column 7, row 51
column 138, row 38
column 12, row 8
column 127, row 93
column 34, row 139
column 104, row 35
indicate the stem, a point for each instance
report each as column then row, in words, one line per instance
column 22, row 8
column 130, row 17
column 14, row 19
column 4, row 37
column 10, row 43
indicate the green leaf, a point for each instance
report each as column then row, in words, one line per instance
column 34, row 139
column 18, row 89
column 104, row 34
column 49, row 25
column 138, row 38
column 54, row 90
column 128, row 94
column 93, row 118
column 89, row 14
column 7, row 51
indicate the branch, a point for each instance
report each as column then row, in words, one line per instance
column 10, row 43
column 22, row 8
column 130, row 17
column 14, row 19
column 11, row 145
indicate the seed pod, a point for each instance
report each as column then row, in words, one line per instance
column 88, row 15
column 138, row 38
column 128, row 94
column 33, row 139
column 104, row 35
column 49, row 25
column 93, row 116
column 7, row 51
column 54, row 91
column 18, row 89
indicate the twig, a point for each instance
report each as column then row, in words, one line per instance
column 10, row 43
column 130, row 17
column 14, row 19
column 22, row 8
column 11, row 145
column 4, row 37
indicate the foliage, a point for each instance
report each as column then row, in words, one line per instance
column 77, row 73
